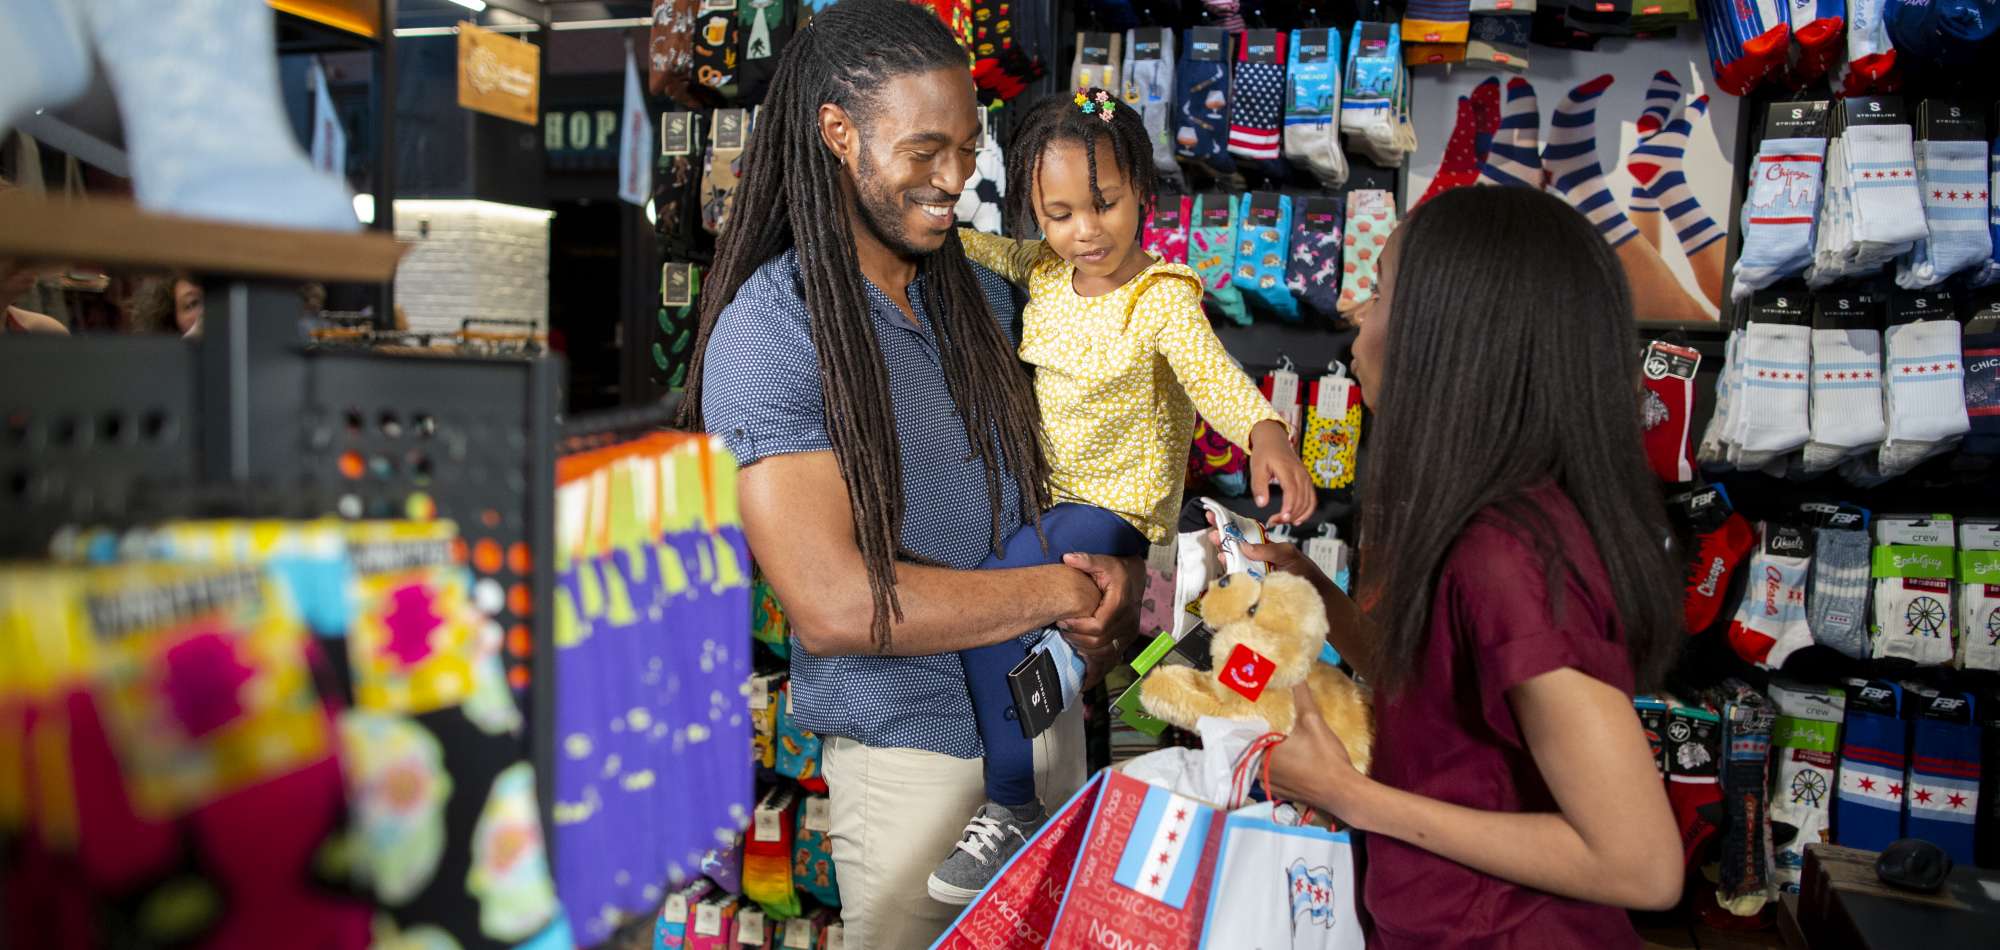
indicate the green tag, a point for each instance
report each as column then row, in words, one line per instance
column 1134, row 714
column 1161, row 646
column 1809, row 735
column 1979, row 567
column 1909, row 560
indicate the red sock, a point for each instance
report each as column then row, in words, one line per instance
column 1485, row 117
column 1460, row 166
column 1770, row 51
column 1669, row 378
column 1694, row 792
column 1820, row 46
column 1875, row 72
column 1717, row 553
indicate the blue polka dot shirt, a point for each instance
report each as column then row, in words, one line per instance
column 761, row 395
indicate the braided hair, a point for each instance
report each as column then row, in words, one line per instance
column 792, row 181
column 1062, row 119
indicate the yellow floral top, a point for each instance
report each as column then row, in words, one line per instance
column 1120, row 377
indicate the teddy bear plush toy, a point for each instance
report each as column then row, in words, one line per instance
column 1268, row 635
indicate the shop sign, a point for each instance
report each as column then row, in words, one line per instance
column 499, row 75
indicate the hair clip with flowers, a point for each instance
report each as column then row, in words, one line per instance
column 1095, row 102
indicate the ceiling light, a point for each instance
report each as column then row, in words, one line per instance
column 476, row 6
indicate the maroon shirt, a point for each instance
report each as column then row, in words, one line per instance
column 1450, row 734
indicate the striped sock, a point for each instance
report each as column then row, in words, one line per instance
column 1571, row 160
column 1514, row 158
column 1661, row 97
column 1657, row 167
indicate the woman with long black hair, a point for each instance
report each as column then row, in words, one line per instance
column 1518, row 586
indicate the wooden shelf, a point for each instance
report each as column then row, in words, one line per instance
column 114, row 234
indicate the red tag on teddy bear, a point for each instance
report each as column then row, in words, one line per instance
column 1246, row 672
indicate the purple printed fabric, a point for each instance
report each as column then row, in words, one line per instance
column 1312, row 271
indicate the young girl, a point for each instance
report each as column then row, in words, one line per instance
column 1123, row 359
column 1518, row 588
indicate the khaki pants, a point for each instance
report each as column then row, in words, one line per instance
column 897, row 813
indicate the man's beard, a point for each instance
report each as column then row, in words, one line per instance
column 882, row 211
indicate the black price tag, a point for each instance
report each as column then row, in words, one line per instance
column 1703, row 509
column 1322, row 214
column 1806, row 119
column 1821, row 514
column 677, row 284
column 1194, row 647
column 1787, row 540
column 1260, row 46
column 1167, row 213
column 1665, row 360
column 731, row 128
column 1264, row 209
column 1910, row 306
column 1694, row 742
column 1876, row 110
column 1208, row 44
column 1873, row 696
column 677, row 133
column 1147, row 43
column 1788, row 307
column 1952, row 120
column 1097, row 49
column 1037, row 692
column 1947, row 707
column 1846, row 310
column 1215, row 210
column 1374, row 38
column 1314, row 46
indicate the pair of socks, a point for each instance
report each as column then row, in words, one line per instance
column 1913, row 619
column 1515, row 156
column 1747, row 719
column 1368, row 99
column 670, row 50
column 1805, row 750
column 1819, row 27
column 1770, row 623
column 1846, row 396
column 1941, row 788
column 1371, row 216
column 1668, row 375
column 1212, row 254
column 722, row 171
column 1924, row 402
column 718, row 36
column 1881, row 188
column 1722, row 539
column 1871, row 57
column 1837, row 601
column 812, row 852
column 1437, row 21
column 1312, row 270
column 1149, row 88
column 1874, row 754
column 1500, row 40
column 1571, row 160
column 1747, row 42
column 1478, row 119
column 767, row 26
column 1312, row 108
column 1166, row 230
column 1089, row 76
column 1982, row 393
column 767, row 854
column 1772, row 419
column 1201, row 133
column 1694, row 778
column 1978, row 597
column 1656, row 167
column 1261, row 251
column 1779, row 211
column 1952, row 178
column 1257, row 103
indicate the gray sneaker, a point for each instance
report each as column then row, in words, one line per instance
column 993, row 835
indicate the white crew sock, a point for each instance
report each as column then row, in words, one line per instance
column 1846, row 396
column 1924, row 399
column 1777, row 368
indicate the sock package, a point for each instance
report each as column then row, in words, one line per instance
column 1374, row 79
column 1571, row 160
column 1722, row 540
column 1770, row 621
column 1952, row 178
column 1913, row 566
column 1846, row 382
column 1982, row 393
column 1881, row 176
column 1776, row 368
column 1746, row 836
column 1312, row 270
column 767, row 854
column 1149, row 88
column 1257, row 95
column 1312, row 105
column 1515, row 157
column 1212, row 253
column 1436, row 21
column 1371, row 215
column 1979, row 596
column 1874, row 752
column 1805, row 747
column 1166, row 231
column 1332, row 430
column 1201, row 133
column 1096, row 63
column 1837, row 601
column 1941, row 788
column 1694, row 770
column 1713, row 448
column 723, row 170
column 812, row 855
column 1500, row 40
column 1924, row 402
column 1263, row 229
column 1778, row 213
column 1668, row 376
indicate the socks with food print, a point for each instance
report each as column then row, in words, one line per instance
column 1212, row 253
column 1166, row 232
column 1201, row 133
column 1371, row 215
column 1263, row 228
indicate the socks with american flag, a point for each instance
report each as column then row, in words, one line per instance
column 1571, row 160
column 1259, row 99
column 1941, row 788
column 1874, row 754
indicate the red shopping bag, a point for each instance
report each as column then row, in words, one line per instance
column 1146, row 871
column 1017, row 910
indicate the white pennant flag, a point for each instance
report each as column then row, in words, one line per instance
column 329, row 140
column 635, row 166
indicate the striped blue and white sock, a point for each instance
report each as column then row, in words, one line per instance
column 1515, row 156
column 1571, row 161
column 1661, row 98
column 1656, row 165
column 1952, row 177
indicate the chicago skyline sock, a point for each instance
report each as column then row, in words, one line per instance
column 1837, row 600
column 1515, row 156
column 1770, row 622
column 1941, row 790
column 1663, row 94
column 1460, row 165
column 1846, row 396
column 1312, row 103
column 1260, row 259
column 1256, row 109
column 1571, row 160
column 1868, row 813
column 1779, row 212
column 1656, row 164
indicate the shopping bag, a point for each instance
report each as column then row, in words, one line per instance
column 1280, row 884
column 1147, row 867
column 1016, row 911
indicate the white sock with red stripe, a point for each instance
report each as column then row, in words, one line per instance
column 1770, row 622
column 1778, row 213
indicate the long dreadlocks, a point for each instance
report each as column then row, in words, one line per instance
column 792, row 189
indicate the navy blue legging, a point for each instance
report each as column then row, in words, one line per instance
column 1010, row 758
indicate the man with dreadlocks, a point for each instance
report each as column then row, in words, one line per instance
column 863, row 373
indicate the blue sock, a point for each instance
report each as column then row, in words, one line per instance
column 1201, row 121
column 1868, row 813
column 1942, row 790
column 1212, row 254
column 1261, row 248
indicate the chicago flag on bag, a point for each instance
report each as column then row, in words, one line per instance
column 1159, row 859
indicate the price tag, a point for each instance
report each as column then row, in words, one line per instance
column 750, row 927
column 707, row 920
column 676, row 909
column 731, row 128
column 767, row 825
column 676, row 284
column 760, row 693
column 676, row 133
column 798, row 934
column 836, row 937
column 819, row 814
